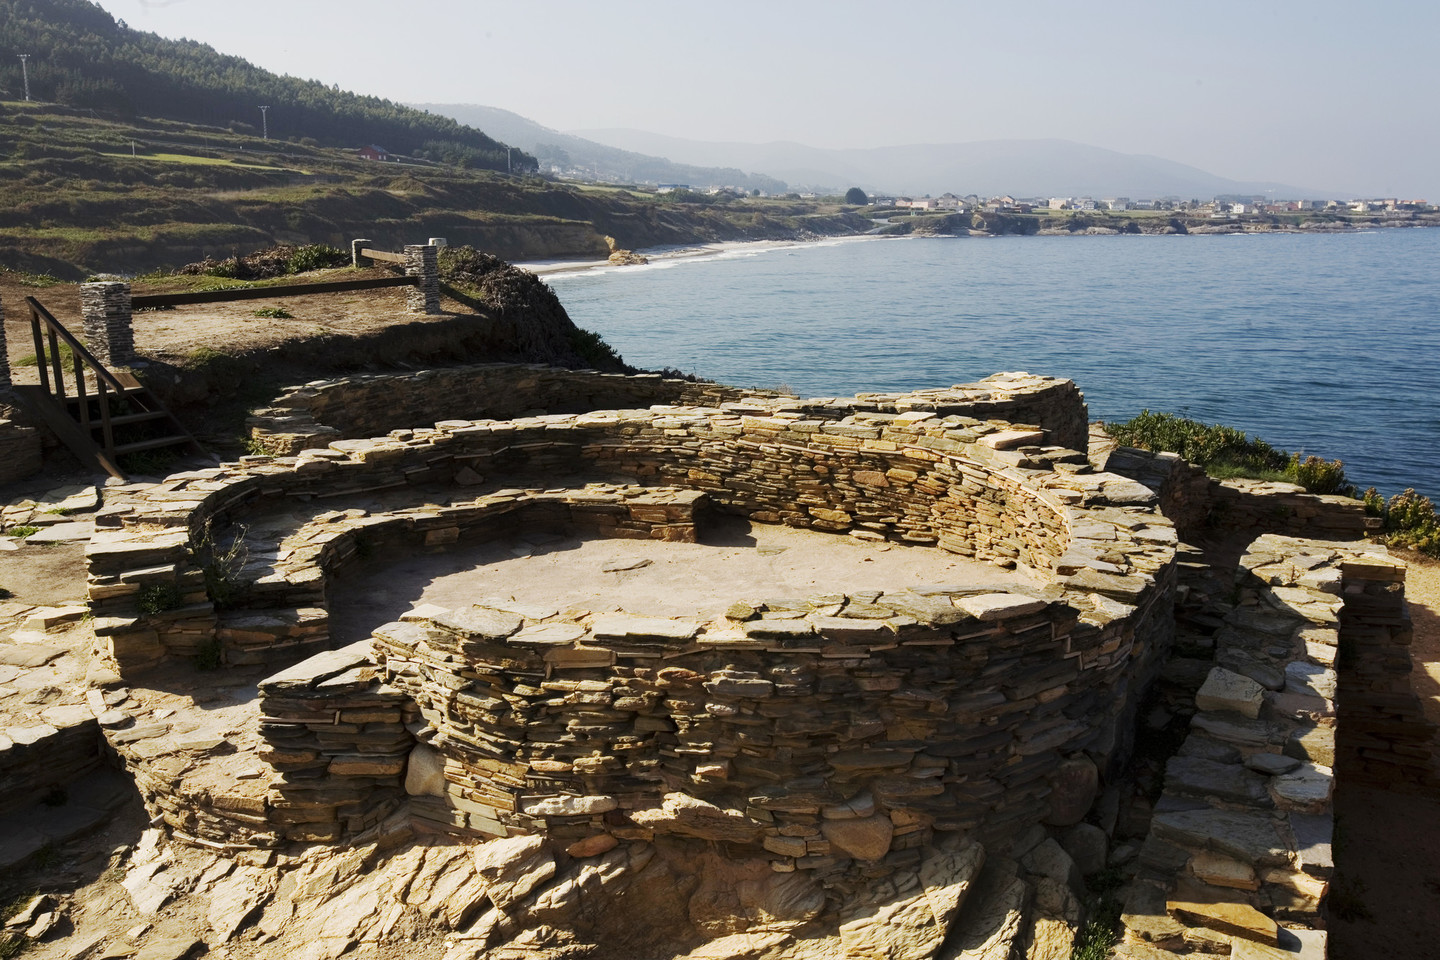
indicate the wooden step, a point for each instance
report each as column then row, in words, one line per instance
column 176, row 440
column 124, row 418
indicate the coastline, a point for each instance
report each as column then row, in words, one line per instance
column 661, row 257
column 668, row 256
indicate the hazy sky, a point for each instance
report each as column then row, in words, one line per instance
column 1334, row 95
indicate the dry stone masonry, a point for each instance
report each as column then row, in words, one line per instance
column 851, row 774
column 109, row 333
column 422, row 261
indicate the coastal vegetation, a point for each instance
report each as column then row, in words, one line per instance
column 1226, row 452
column 1409, row 520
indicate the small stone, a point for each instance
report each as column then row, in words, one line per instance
column 866, row 838
column 1087, row 846
column 592, row 846
column 1222, row 871
column 1271, row 764
column 626, row 563
column 425, row 772
column 1073, row 787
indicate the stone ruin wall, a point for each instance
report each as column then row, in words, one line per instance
column 907, row 716
column 372, row 405
column 150, row 542
column 1045, row 677
column 1196, row 502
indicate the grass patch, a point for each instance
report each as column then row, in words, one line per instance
column 1226, row 453
column 22, row 532
column 1102, row 905
column 37, row 281
column 275, row 313
column 67, row 358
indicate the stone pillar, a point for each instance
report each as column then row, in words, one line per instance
column 357, row 259
column 108, row 332
column 423, row 262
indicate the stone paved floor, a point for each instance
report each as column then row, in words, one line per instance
column 738, row 561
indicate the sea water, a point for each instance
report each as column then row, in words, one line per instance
column 1323, row 344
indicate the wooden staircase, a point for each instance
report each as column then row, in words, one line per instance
column 104, row 417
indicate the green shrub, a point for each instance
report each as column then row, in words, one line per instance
column 316, row 256
column 1319, row 476
column 1226, row 452
column 1409, row 520
column 158, row 598
column 211, row 655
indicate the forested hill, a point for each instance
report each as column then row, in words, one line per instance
column 82, row 57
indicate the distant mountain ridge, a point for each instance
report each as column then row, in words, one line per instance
column 1022, row 168
column 597, row 160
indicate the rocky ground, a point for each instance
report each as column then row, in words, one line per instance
column 86, row 877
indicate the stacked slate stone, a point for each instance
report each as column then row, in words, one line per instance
column 109, row 334
column 371, row 405
column 5, row 381
column 44, row 753
column 423, row 263
column 1196, row 502
column 1385, row 725
column 833, row 734
column 1245, row 820
column 280, row 595
column 148, row 596
column 980, row 488
column 338, row 740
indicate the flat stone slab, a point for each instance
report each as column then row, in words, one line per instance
column 1313, row 836
column 481, row 623
column 308, row 673
column 1252, row 838
column 1207, row 778
column 1226, row 690
column 29, row 655
column 999, row 606
column 1292, row 945
column 72, row 531
column 626, row 627
column 1307, row 788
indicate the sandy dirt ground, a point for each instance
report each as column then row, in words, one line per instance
column 224, row 327
column 1385, row 900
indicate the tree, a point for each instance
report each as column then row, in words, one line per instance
column 856, row 196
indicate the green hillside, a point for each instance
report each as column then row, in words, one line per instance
column 130, row 158
column 82, row 57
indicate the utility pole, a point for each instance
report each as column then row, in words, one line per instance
column 265, row 123
column 25, row 72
